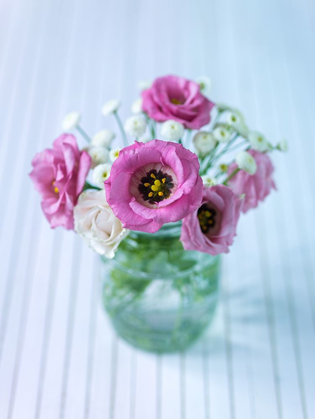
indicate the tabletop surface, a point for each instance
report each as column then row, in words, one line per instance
column 59, row 357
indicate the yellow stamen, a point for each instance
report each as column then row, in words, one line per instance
column 210, row 222
column 176, row 101
column 164, row 180
column 56, row 190
column 150, row 194
column 161, row 193
column 154, row 188
column 153, row 175
column 208, row 213
column 157, row 182
column 147, row 184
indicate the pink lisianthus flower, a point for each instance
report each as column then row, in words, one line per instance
column 152, row 184
column 212, row 226
column 179, row 99
column 59, row 175
column 255, row 187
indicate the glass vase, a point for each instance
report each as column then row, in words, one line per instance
column 159, row 297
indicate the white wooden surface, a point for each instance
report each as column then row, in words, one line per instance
column 59, row 357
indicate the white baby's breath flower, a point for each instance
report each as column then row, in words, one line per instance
column 236, row 120
column 258, row 141
column 145, row 138
column 135, row 126
column 204, row 142
column 246, row 162
column 283, row 146
column 208, row 180
column 114, row 153
column 110, row 107
column 95, row 221
column 222, row 107
column 144, row 84
column 103, row 138
column 71, row 120
column 172, row 130
column 205, row 84
column 222, row 135
column 98, row 155
column 136, row 107
column 100, row 174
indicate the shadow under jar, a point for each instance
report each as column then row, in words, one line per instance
column 159, row 297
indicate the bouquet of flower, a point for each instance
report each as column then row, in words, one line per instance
column 176, row 166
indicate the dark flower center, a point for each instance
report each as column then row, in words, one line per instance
column 207, row 218
column 156, row 186
column 177, row 101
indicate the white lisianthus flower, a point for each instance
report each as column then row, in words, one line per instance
column 135, row 126
column 246, row 162
column 205, row 84
column 144, row 84
column 95, row 221
column 204, row 142
column 110, row 107
column 172, row 130
column 222, row 135
column 208, row 181
column 114, row 153
column 98, row 155
column 71, row 120
column 136, row 107
column 257, row 141
column 100, row 174
column 103, row 138
column 283, row 146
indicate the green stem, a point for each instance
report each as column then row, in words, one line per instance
column 87, row 185
column 83, row 133
column 231, row 175
column 225, row 149
column 152, row 128
column 121, row 128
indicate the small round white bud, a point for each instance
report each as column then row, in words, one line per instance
column 135, row 126
column 100, row 174
column 71, row 120
column 205, row 84
column 136, row 107
column 246, row 162
column 172, row 130
column 204, row 142
column 98, row 155
column 283, row 146
column 114, row 153
column 208, row 181
column 258, row 141
column 110, row 107
column 103, row 138
column 222, row 135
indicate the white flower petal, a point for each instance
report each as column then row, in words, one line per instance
column 71, row 120
column 204, row 142
column 110, row 106
column 103, row 138
column 135, row 126
column 172, row 130
column 246, row 162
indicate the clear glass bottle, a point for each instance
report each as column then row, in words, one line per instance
column 160, row 297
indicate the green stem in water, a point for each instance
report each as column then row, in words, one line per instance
column 83, row 133
column 231, row 175
column 121, row 128
column 87, row 185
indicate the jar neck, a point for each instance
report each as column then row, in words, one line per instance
column 171, row 230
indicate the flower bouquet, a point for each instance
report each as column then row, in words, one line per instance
column 161, row 209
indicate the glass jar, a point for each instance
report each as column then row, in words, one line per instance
column 160, row 297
